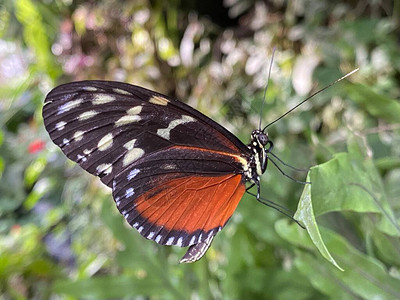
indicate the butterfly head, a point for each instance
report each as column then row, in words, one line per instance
column 262, row 140
column 260, row 146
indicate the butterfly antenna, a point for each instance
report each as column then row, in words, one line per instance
column 266, row 87
column 308, row 98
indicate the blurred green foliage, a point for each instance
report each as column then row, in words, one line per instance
column 60, row 233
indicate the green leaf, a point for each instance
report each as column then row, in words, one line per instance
column 363, row 277
column 35, row 34
column 364, row 29
column 2, row 166
column 1, row 137
column 305, row 215
column 331, row 187
column 4, row 20
column 320, row 277
column 351, row 182
column 34, row 170
column 388, row 163
column 138, row 254
column 106, row 287
column 387, row 247
column 376, row 104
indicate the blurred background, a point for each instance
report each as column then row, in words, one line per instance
column 61, row 235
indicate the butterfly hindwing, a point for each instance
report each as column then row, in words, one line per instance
column 168, row 200
column 176, row 175
column 183, row 211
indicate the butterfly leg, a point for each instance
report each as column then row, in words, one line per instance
column 286, row 175
column 250, row 187
column 258, row 190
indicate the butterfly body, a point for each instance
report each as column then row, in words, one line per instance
column 176, row 175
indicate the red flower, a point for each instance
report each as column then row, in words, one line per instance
column 16, row 229
column 36, row 146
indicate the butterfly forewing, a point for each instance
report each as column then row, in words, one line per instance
column 176, row 175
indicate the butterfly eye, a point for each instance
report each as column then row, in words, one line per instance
column 263, row 138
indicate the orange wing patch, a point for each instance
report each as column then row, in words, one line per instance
column 190, row 209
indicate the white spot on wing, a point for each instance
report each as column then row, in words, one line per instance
column 127, row 120
column 129, row 192
column 68, row 106
column 89, row 88
column 134, row 110
column 65, row 142
column 87, row 115
column 168, row 167
column 165, row 132
column 170, row 241
column 140, row 229
column 78, row 135
column 102, row 99
column 136, row 224
column 87, row 151
column 104, row 168
column 60, row 125
column 81, row 157
column 132, row 155
column 179, row 242
column 105, row 142
column 151, row 234
column 133, row 173
column 158, row 100
column 158, row 238
column 121, row 91
column 131, row 117
column 192, row 240
column 129, row 145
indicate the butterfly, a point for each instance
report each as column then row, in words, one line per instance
column 176, row 175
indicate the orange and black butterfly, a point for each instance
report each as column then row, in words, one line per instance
column 176, row 175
